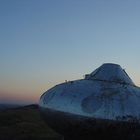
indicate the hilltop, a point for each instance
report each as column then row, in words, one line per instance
column 23, row 123
column 8, row 106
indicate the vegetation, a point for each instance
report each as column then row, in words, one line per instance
column 25, row 123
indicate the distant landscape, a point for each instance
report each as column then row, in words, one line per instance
column 8, row 106
column 24, row 123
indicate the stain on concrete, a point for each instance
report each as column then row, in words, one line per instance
column 91, row 104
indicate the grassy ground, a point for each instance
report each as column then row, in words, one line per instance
column 25, row 123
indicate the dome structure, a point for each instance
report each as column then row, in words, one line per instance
column 104, row 99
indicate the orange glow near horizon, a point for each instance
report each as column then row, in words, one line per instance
column 23, row 93
column 20, row 98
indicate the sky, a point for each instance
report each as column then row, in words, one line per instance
column 45, row 42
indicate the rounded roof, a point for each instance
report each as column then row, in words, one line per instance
column 111, row 73
column 106, row 93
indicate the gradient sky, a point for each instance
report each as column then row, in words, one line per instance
column 45, row 42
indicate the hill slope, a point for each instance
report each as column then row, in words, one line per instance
column 25, row 123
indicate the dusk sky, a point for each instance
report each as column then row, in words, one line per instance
column 45, row 42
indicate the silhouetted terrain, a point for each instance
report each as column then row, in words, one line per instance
column 25, row 123
column 8, row 106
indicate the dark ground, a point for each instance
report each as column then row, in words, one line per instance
column 25, row 123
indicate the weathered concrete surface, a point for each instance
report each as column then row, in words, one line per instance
column 105, row 103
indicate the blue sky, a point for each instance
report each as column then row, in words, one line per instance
column 45, row 42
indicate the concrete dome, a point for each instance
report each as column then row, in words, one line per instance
column 106, row 94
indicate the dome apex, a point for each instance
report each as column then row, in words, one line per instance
column 110, row 72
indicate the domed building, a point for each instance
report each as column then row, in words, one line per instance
column 105, row 104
